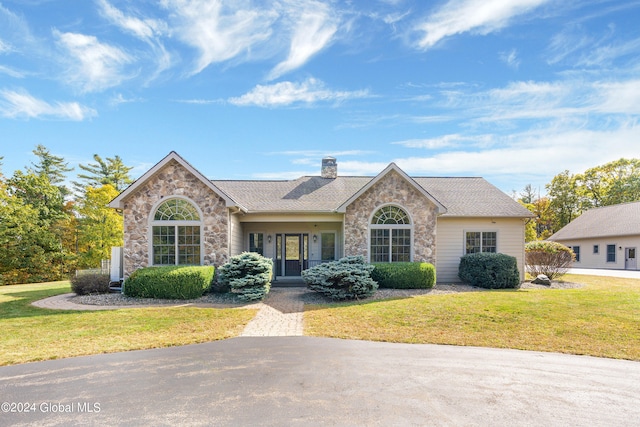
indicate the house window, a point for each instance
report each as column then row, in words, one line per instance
column 176, row 236
column 390, row 232
column 611, row 253
column 481, row 241
column 256, row 243
column 576, row 251
column 327, row 246
column 596, row 249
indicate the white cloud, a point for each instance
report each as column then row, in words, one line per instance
column 445, row 141
column 93, row 66
column 4, row 47
column 11, row 72
column 281, row 94
column 217, row 31
column 510, row 58
column 145, row 29
column 20, row 104
column 476, row 16
column 314, row 28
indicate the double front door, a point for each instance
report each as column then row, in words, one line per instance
column 292, row 254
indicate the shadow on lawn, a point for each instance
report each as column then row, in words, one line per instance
column 20, row 304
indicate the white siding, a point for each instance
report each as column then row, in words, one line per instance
column 236, row 235
column 590, row 260
column 450, row 242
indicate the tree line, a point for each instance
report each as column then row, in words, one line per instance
column 568, row 195
column 47, row 230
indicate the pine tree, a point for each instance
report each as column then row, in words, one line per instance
column 110, row 171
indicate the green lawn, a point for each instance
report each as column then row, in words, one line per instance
column 30, row 333
column 602, row 319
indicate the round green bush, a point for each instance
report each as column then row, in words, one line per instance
column 86, row 284
column 489, row 270
column 347, row 278
column 248, row 275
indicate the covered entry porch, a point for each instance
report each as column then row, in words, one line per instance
column 294, row 246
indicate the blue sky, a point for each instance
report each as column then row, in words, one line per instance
column 515, row 91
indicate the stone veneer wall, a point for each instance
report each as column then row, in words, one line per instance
column 392, row 189
column 173, row 180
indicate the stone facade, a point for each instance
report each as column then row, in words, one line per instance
column 392, row 189
column 173, row 180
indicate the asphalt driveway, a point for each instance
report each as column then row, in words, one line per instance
column 282, row 381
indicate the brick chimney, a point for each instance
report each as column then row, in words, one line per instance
column 329, row 168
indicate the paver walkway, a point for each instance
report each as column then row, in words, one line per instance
column 279, row 315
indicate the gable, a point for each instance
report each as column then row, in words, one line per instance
column 608, row 221
column 400, row 179
column 171, row 159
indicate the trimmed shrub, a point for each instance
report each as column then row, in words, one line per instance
column 489, row 270
column 347, row 278
column 248, row 275
column 170, row 282
column 86, row 284
column 552, row 259
column 404, row 275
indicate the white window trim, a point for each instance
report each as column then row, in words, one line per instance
column 158, row 223
column 389, row 227
column 479, row 230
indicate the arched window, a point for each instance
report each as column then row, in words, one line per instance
column 176, row 236
column 390, row 231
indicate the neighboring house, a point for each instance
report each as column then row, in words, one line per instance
column 174, row 215
column 607, row 237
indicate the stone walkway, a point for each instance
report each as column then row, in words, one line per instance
column 279, row 315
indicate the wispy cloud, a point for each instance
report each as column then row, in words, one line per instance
column 510, row 58
column 478, row 17
column 92, row 65
column 120, row 99
column 281, row 94
column 21, row 104
column 142, row 28
column 445, row 141
column 314, row 26
column 146, row 29
column 11, row 72
column 219, row 32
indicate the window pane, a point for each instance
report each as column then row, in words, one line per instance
column 163, row 245
column 576, row 250
column 176, row 210
column 611, row 253
column 189, row 245
column 380, row 245
column 256, row 243
column 489, row 242
column 401, row 246
column 390, row 215
column 473, row 242
column 328, row 246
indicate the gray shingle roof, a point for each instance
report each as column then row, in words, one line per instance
column 461, row 196
column 607, row 221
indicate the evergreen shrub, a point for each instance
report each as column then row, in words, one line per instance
column 169, row 282
column 86, row 284
column 552, row 259
column 248, row 275
column 347, row 278
column 404, row 275
column 489, row 270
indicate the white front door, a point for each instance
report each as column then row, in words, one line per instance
column 630, row 262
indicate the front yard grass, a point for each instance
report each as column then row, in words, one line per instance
column 30, row 334
column 601, row 319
